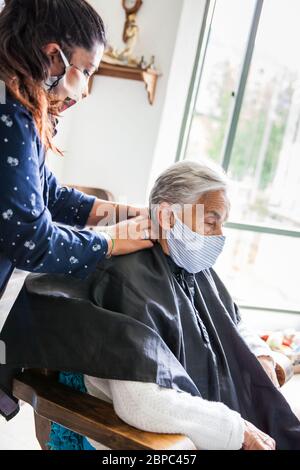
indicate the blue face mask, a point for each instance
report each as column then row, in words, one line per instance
column 192, row 251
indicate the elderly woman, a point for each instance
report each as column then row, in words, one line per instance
column 190, row 250
column 182, row 360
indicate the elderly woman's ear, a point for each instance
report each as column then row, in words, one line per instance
column 165, row 216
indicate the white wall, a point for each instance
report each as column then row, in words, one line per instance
column 115, row 139
column 187, row 40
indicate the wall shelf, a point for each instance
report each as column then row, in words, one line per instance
column 148, row 76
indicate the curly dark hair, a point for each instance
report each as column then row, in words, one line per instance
column 28, row 25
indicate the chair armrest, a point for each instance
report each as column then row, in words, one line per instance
column 89, row 416
column 284, row 367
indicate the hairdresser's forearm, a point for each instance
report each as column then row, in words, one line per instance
column 106, row 213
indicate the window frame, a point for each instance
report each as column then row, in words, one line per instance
column 200, row 58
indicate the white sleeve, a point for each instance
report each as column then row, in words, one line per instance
column 257, row 345
column 146, row 406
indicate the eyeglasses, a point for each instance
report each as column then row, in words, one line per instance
column 86, row 73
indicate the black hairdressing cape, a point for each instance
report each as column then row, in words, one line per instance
column 141, row 318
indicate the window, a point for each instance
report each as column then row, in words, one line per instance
column 220, row 77
column 261, row 270
column 244, row 112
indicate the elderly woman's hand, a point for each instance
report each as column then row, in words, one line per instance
column 254, row 439
column 268, row 364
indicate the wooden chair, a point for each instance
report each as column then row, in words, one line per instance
column 86, row 415
column 97, row 192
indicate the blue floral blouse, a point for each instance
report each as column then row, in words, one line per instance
column 35, row 211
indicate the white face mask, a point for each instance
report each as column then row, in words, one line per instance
column 74, row 89
column 192, row 251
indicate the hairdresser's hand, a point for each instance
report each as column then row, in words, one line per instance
column 129, row 236
column 268, row 365
column 254, row 439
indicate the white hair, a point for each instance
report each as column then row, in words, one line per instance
column 187, row 181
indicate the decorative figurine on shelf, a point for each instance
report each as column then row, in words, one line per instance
column 152, row 63
column 130, row 36
column 126, row 56
column 143, row 64
column 124, row 63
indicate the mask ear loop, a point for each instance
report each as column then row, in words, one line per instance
column 66, row 64
column 54, row 84
column 64, row 59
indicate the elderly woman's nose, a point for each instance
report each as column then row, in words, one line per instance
column 219, row 231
